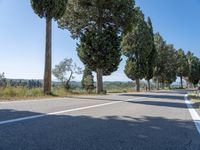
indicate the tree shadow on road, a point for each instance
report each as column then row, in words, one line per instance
column 160, row 103
column 84, row 132
column 173, row 97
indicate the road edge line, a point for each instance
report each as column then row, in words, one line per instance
column 195, row 116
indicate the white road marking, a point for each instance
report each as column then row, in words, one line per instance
column 61, row 112
column 33, row 100
column 193, row 113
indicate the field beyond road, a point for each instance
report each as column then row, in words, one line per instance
column 143, row 121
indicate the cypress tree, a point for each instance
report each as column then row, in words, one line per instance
column 87, row 80
column 182, row 65
column 92, row 19
column 136, row 45
column 152, row 56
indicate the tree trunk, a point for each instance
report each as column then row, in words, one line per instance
column 99, row 87
column 163, row 85
column 157, row 84
column 138, row 85
column 149, row 85
column 181, row 78
column 47, row 69
column 168, row 85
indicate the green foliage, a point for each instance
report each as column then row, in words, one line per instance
column 65, row 71
column 87, row 80
column 100, row 50
column 182, row 63
column 122, row 87
column 194, row 68
column 166, row 61
column 170, row 66
column 137, row 45
column 160, row 59
column 134, row 70
column 3, row 82
column 98, row 24
column 82, row 15
column 49, row 8
column 151, row 59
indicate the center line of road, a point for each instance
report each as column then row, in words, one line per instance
column 61, row 112
column 193, row 113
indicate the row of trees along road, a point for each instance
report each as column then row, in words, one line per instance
column 105, row 30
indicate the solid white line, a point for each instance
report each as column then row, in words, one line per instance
column 61, row 112
column 33, row 100
column 193, row 113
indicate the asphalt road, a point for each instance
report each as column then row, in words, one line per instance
column 145, row 121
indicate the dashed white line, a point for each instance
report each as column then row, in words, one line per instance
column 61, row 112
column 195, row 116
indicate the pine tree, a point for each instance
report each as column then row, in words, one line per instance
column 48, row 9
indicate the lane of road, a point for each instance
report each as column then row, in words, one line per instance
column 155, row 121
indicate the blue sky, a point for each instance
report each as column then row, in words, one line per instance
column 22, row 35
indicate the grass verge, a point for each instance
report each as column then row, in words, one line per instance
column 195, row 98
column 18, row 93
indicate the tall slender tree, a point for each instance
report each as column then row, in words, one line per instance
column 48, row 9
column 170, row 65
column 137, row 45
column 83, row 16
column 182, row 65
column 159, row 65
column 152, row 56
column 194, row 68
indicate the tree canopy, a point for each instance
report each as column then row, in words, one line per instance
column 82, row 15
column 49, row 8
column 100, row 50
column 137, row 45
column 65, row 71
column 87, row 80
column 99, row 24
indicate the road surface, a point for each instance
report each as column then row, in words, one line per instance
column 145, row 121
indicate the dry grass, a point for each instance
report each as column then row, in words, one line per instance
column 18, row 93
column 12, row 93
column 195, row 98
